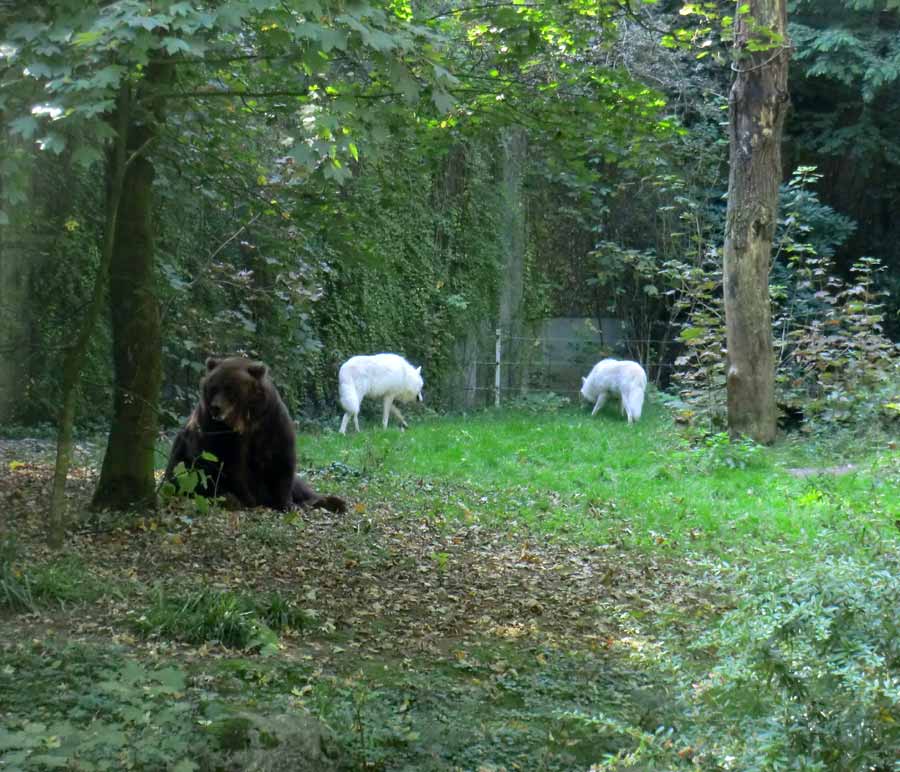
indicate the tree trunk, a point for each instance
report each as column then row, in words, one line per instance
column 73, row 361
column 758, row 103
column 18, row 254
column 127, row 477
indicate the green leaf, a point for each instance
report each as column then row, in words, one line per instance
column 53, row 143
column 174, row 45
column 25, row 31
column 443, row 101
column 172, row 678
column 353, row 151
column 26, row 126
column 108, row 77
column 303, row 155
column 334, row 171
column 188, row 482
column 85, row 39
column 691, row 333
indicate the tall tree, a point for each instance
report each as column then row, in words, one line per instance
column 67, row 61
column 757, row 106
column 127, row 477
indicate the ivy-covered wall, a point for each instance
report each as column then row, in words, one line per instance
column 423, row 275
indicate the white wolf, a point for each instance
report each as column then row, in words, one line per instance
column 611, row 376
column 380, row 375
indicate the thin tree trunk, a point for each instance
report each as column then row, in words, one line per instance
column 127, row 477
column 758, row 104
column 73, row 361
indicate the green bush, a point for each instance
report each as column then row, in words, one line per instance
column 717, row 451
column 809, row 673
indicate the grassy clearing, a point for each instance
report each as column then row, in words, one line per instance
column 603, row 481
column 517, row 590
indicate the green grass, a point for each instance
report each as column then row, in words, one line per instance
column 62, row 582
column 606, row 481
column 233, row 619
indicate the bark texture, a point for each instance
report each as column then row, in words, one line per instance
column 127, row 477
column 73, row 362
column 758, row 104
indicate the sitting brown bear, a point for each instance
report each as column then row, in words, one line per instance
column 242, row 422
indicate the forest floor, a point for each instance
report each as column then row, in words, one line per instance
column 428, row 628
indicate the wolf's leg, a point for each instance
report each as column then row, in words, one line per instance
column 634, row 405
column 388, row 404
column 601, row 398
column 400, row 418
column 344, row 421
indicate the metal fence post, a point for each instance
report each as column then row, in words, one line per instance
column 498, row 332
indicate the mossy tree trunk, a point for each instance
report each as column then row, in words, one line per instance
column 73, row 361
column 513, row 238
column 758, row 103
column 127, row 477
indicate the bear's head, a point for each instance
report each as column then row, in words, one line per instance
column 235, row 391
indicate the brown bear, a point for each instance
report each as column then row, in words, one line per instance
column 242, row 422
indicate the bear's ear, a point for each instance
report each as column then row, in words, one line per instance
column 212, row 363
column 419, row 370
column 257, row 370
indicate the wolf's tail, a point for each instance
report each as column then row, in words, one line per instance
column 349, row 397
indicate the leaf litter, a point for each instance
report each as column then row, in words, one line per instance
column 410, row 570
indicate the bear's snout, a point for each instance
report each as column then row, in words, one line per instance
column 220, row 408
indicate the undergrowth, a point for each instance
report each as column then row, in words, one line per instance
column 774, row 647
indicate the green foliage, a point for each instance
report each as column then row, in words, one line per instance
column 808, row 673
column 127, row 716
column 837, row 42
column 835, row 362
column 539, row 402
column 845, row 119
column 185, row 482
column 230, row 619
column 717, row 452
column 418, row 279
column 839, row 367
column 15, row 585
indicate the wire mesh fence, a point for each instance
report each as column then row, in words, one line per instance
column 518, row 365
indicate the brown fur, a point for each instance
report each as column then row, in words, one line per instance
column 243, row 422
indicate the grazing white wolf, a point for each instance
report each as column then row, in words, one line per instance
column 611, row 376
column 380, row 375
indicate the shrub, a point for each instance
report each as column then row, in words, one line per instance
column 809, row 673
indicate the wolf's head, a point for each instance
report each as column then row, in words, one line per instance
column 417, row 383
